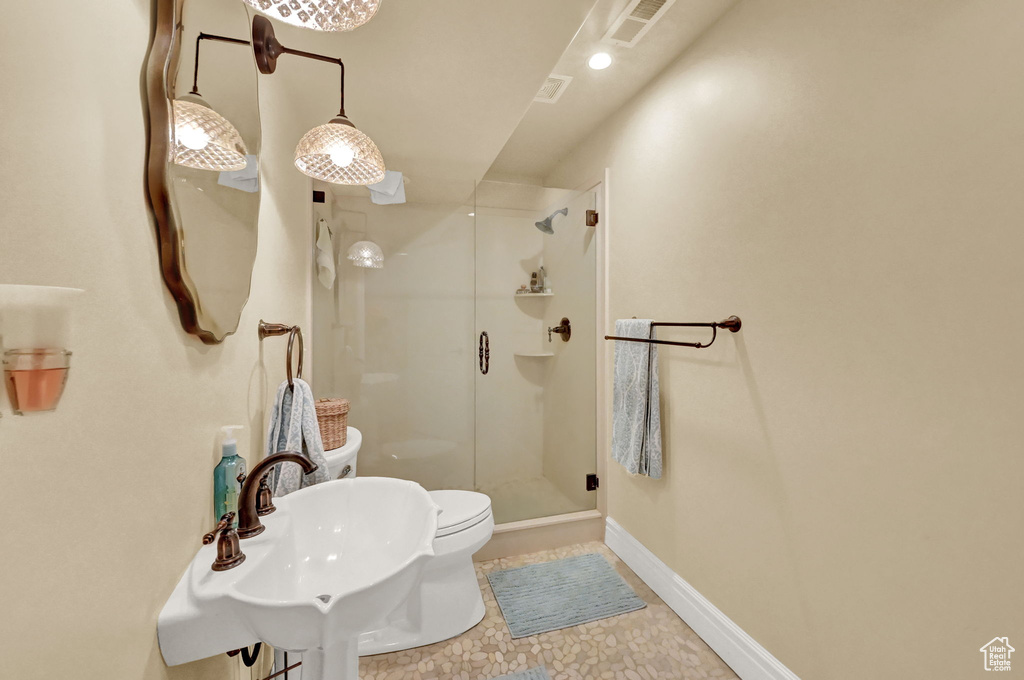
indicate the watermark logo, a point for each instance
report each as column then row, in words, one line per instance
column 997, row 654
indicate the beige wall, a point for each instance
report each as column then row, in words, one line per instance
column 843, row 476
column 104, row 502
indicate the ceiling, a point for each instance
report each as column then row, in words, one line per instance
column 439, row 85
column 548, row 132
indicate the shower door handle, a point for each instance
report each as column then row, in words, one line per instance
column 485, row 353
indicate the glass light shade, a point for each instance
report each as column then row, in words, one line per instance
column 35, row 378
column 37, row 317
column 35, row 324
column 366, row 254
column 204, row 139
column 320, row 15
column 338, row 153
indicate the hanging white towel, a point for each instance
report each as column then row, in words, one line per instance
column 636, row 412
column 247, row 179
column 293, row 427
column 324, row 255
column 388, row 191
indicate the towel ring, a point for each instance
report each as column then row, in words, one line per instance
column 295, row 331
column 268, row 329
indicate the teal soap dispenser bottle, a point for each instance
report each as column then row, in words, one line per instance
column 226, row 486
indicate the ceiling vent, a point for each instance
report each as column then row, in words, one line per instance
column 634, row 22
column 553, row 88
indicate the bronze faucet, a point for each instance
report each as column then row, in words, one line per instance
column 229, row 555
column 255, row 498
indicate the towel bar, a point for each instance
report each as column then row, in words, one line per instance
column 733, row 324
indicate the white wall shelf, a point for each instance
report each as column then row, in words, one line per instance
column 522, row 295
column 535, row 354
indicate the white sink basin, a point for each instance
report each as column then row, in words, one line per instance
column 335, row 560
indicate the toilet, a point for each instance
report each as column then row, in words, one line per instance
column 341, row 462
column 448, row 601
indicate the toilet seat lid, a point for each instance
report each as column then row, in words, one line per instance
column 460, row 510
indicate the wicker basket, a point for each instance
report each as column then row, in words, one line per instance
column 332, row 416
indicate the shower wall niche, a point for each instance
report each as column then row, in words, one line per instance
column 402, row 343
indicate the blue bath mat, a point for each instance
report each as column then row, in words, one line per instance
column 538, row 673
column 543, row 597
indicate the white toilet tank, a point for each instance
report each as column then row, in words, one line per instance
column 345, row 457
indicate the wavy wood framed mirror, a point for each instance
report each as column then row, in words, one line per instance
column 202, row 167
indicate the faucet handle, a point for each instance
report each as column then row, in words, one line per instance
column 229, row 554
column 224, row 522
column 564, row 329
column 264, row 497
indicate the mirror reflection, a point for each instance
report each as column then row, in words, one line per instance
column 212, row 170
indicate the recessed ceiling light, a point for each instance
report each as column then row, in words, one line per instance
column 599, row 61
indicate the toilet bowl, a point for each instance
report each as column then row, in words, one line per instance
column 448, row 601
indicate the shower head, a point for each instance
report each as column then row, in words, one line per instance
column 545, row 225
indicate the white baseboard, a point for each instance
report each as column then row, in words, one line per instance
column 744, row 655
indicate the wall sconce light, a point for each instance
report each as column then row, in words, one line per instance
column 336, row 152
column 204, row 139
column 366, row 254
column 319, row 15
column 35, row 328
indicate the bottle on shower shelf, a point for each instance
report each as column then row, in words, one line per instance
column 534, row 287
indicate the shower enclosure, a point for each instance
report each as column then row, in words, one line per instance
column 454, row 379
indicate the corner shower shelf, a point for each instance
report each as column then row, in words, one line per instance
column 535, row 354
column 522, row 295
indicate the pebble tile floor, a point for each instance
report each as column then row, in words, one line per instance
column 648, row 644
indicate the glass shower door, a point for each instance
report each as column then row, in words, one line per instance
column 453, row 380
column 535, row 390
column 398, row 341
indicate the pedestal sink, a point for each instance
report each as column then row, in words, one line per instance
column 335, row 560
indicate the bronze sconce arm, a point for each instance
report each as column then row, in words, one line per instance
column 209, row 36
column 268, row 49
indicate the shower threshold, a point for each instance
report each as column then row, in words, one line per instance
column 533, row 515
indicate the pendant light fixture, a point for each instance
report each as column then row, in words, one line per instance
column 337, row 151
column 366, row 254
column 319, row 15
column 204, row 139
